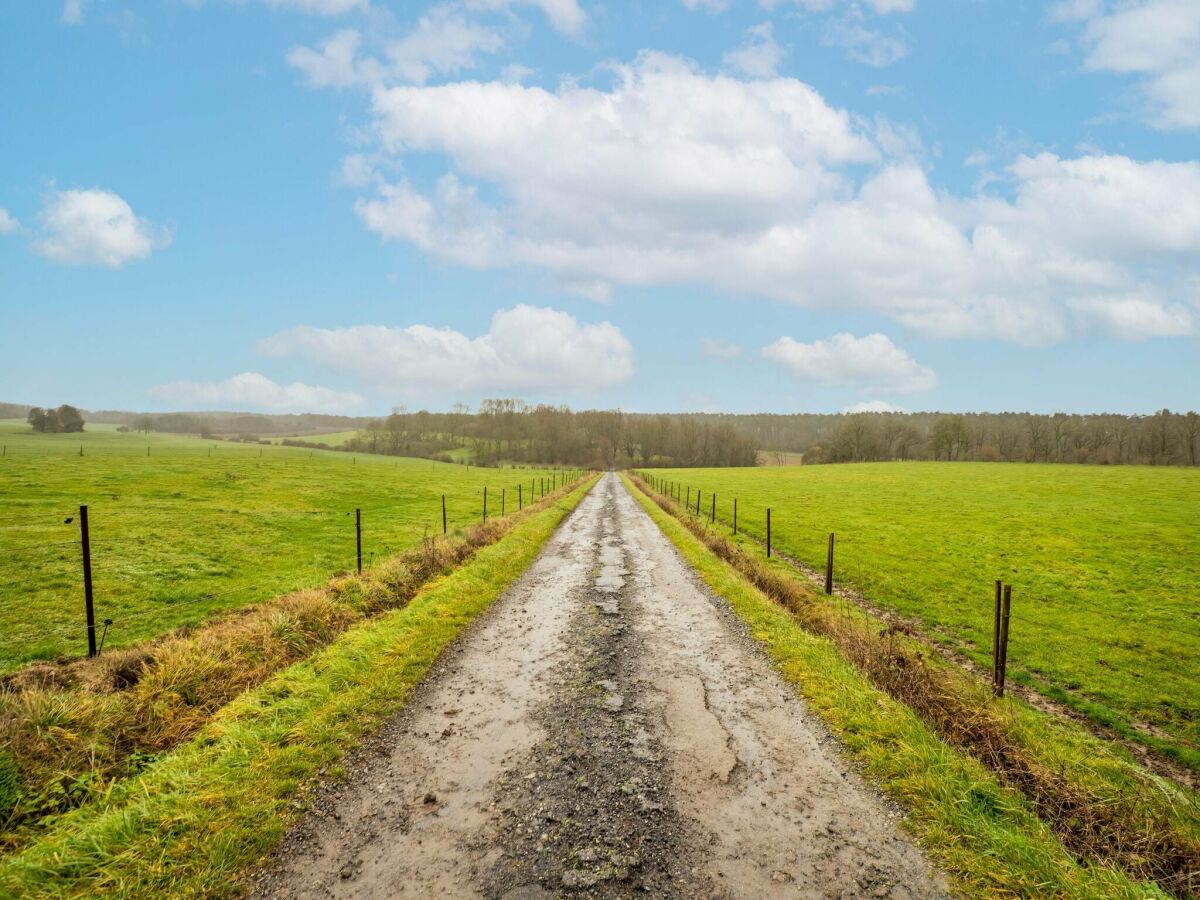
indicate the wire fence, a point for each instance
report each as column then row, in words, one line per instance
column 141, row 567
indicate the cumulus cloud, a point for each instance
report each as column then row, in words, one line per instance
column 872, row 362
column 759, row 55
column 526, row 348
column 675, row 176
column 95, row 227
column 873, row 406
column 719, row 349
column 8, row 223
column 253, row 391
column 1154, row 39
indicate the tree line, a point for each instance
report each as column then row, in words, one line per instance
column 1164, row 438
column 511, row 430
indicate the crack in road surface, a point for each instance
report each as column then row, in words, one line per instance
column 607, row 729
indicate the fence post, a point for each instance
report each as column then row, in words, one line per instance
column 829, row 567
column 713, row 518
column 698, row 501
column 996, row 635
column 88, row 608
column 443, row 513
column 485, row 503
column 358, row 537
column 502, row 500
column 735, row 516
column 1004, row 641
column 688, row 504
column 768, row 532
column 520, row 497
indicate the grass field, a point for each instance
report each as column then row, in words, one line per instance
column 1104, row 563
column 182, row 527
column 332, row 438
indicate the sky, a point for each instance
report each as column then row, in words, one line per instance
column 687, row 205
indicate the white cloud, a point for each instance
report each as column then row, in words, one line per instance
column 1156, row 39
column 759, row 187
column 1137, row 318
column 566, row 16
column 708, row 6
column 883, row 7
column 873, row 406
column 870, row 362
column 442, row 42
column 719, row 349
column 73, row 10
column 95, row 227
column 252, row 391
column 8, row 223
column 863, row 44
column 526, row 348
column 319, row 7
column 759, row 55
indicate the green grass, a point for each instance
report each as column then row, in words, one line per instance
column 986, row 837
column 332, row 438
column 198, row 526
column 197, row 818
column 1104, row 563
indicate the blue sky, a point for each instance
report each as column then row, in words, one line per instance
column 797, row 205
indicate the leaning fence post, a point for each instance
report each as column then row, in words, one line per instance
column 713, row 518
column 358, row 537
column 829, row 567
column 443, row 513
column 88, row 608
column 768, row 532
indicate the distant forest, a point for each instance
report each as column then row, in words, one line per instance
column 511, row 430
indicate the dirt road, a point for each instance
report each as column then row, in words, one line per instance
column 605, row 730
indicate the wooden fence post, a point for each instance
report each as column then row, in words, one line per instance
column 1004, row 640
column 88, row 608
column 443, row 513
column 735, row 516
column 358, row 537
column 768, row 532
column 996, row 634
column 829, row 567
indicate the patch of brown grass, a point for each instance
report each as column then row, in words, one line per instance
column 1120, row 830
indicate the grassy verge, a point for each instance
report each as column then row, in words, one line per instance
column 194, row 819
column 980, row 826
